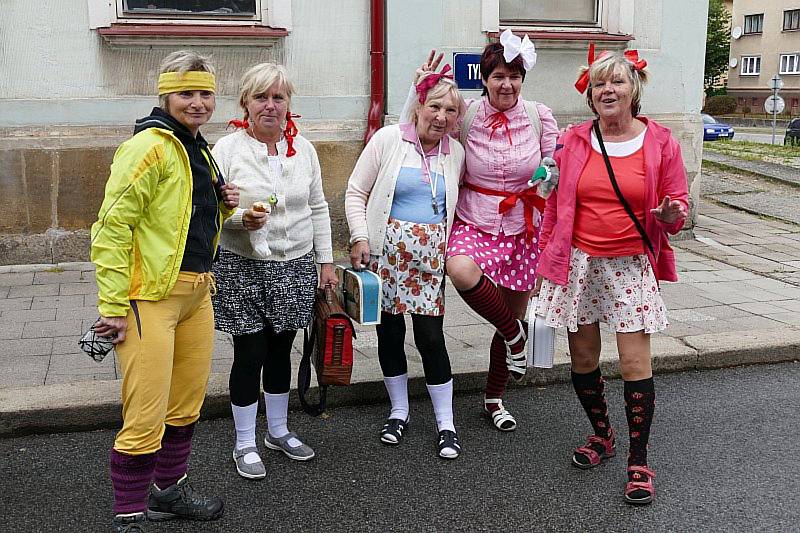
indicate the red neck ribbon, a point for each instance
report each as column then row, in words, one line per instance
column 496, row 121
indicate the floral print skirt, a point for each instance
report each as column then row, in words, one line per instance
column 412, row 268
column 621, row 291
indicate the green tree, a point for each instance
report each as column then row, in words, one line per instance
column 718, row 43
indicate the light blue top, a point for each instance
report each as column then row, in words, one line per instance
column 412, row 197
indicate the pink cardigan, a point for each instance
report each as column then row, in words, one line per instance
column 665, row 175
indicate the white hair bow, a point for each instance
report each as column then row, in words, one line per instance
column 514, row 46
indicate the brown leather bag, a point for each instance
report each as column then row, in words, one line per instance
column 328, row 341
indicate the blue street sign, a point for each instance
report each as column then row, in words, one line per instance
column 467, row 68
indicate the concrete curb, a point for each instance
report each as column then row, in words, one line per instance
column 95, row 405
column 739, row 170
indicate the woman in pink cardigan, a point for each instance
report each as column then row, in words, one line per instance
column 602, row 260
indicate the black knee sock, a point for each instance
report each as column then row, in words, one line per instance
column 640, row 402
column 429, row 338
column 391, row 345
column 248, row 359
column 590, row 389
column 278, row 363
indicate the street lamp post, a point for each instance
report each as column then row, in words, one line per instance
column 776, row 84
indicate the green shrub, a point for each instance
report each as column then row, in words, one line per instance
column 720, row 105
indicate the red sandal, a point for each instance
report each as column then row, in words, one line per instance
column 639, row 490
column 596, row 451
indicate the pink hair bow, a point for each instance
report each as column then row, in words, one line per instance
column 428, row 82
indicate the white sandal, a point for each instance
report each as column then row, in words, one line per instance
column 517, row 363
column 501, row 418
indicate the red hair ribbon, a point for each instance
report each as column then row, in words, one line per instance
column 238, row 124
column 631, row 55
column 496, row 121
column 428, row 82
column 290, row 132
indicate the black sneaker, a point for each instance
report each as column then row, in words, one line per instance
column 181, row 501
column 128, row 524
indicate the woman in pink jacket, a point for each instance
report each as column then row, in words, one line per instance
column 605, row 248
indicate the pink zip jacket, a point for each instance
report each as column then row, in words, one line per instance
column 665, row 175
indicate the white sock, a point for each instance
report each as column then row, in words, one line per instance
column 278, row 416
column 397, row 387
column 244, row 419
column 442, row 398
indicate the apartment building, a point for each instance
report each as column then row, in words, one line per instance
column 765, row 40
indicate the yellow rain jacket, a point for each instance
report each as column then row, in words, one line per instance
column 139, row 238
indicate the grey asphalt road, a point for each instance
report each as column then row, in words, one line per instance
column 724, row 446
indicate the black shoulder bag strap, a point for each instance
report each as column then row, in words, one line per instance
column 304, row 375
column 614, row 184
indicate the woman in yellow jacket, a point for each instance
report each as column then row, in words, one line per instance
column 153, row 245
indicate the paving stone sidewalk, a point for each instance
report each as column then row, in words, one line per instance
column 740, row 275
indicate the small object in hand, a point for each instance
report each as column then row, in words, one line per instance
column 94, row 345
column 273, row 200
column 541, row 174
column 260, row 207
column 546, row 177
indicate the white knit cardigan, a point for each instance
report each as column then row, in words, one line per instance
column 300, row 221
column 370, row 190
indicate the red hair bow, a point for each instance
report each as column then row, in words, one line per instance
column 290, row 132
column 429, row 81
column 239, row 124
column 631, row 55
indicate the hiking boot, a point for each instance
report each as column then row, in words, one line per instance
column 181, row 501
column 128, row 524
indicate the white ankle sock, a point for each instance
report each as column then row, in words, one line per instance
column 244, row 420
column 442, row 398
column 278, row 416
column 397, row 387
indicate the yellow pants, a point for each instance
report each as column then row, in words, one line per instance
column 165, row 361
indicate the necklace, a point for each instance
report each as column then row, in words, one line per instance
column 433, row 181
column 272, row 199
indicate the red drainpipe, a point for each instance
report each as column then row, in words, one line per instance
column 377, row 59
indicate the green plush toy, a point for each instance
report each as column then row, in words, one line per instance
column 545, row 178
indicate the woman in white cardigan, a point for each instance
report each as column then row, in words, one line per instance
column 266, row 273
column 400, row 204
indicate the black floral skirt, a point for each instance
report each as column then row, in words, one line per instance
column 253, row 295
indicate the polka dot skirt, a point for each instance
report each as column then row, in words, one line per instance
column 621, row 291
column 509, row 260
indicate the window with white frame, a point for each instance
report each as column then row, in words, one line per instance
column 790, row 63
column 753, row 23
column 550, row 12
column 751, row 65
column 194, row 9
column 791, row 19
column 272, row 13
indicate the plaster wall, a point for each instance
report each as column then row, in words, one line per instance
column 58, row 71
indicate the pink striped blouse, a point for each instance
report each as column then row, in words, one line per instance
column 495, row 163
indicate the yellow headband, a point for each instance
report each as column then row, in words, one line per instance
column 193, row 80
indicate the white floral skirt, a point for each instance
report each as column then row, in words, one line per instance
column 412, row 268
column 621, row 291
